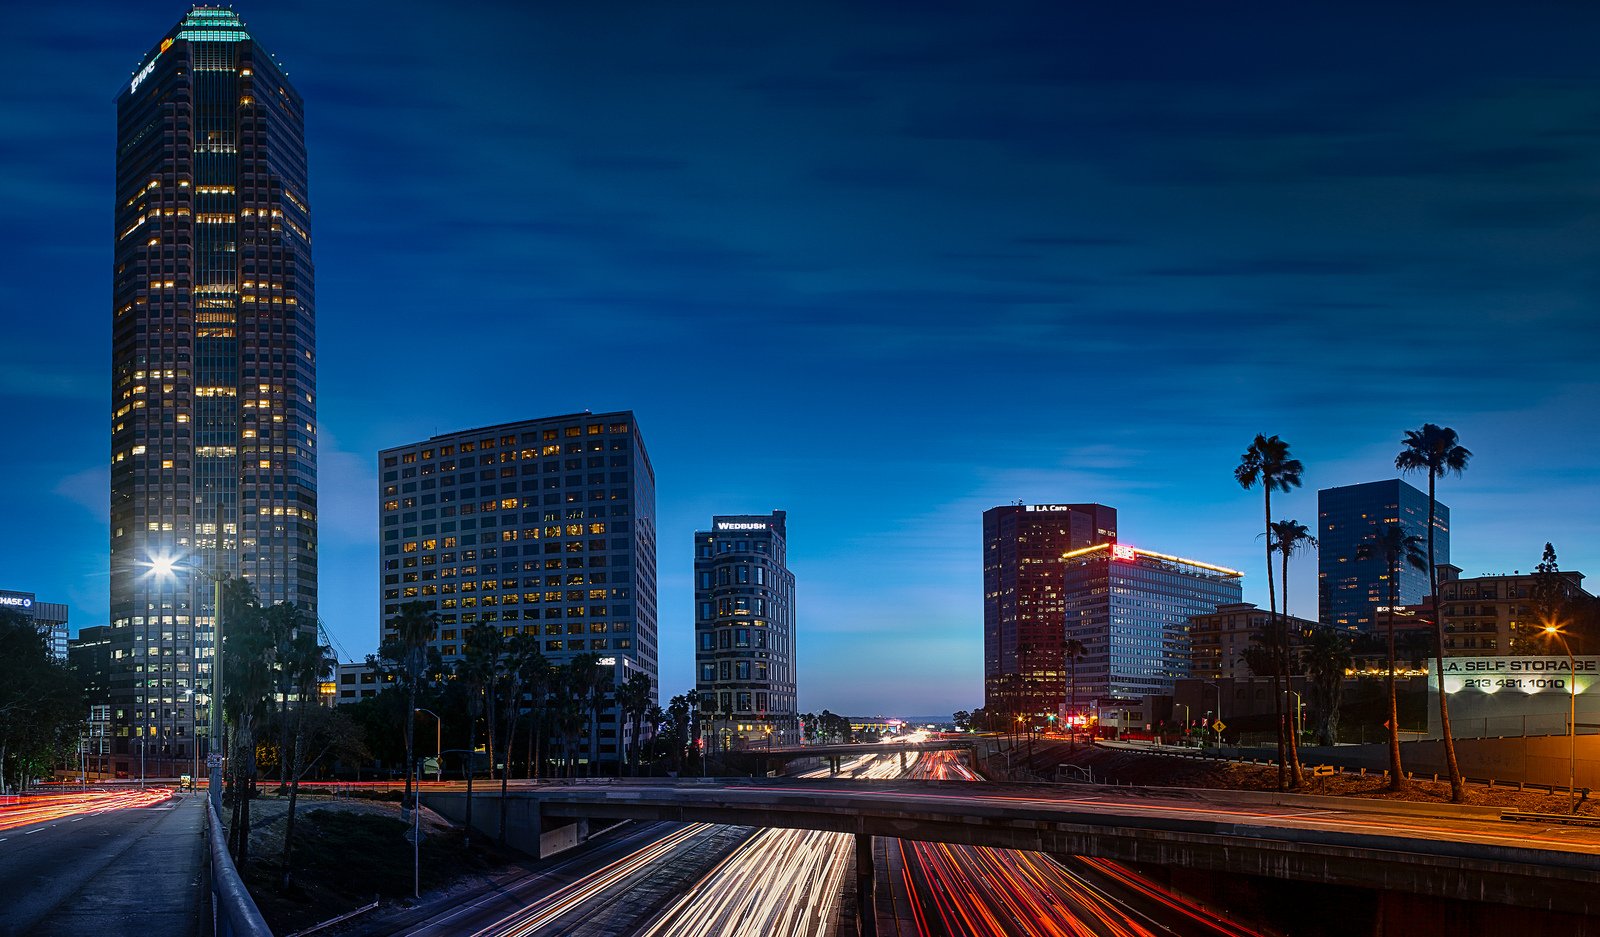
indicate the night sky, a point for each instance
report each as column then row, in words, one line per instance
column 881, row 268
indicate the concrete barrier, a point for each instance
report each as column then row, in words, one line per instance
column 233, row 911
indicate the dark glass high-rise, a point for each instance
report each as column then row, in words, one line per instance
column 213, row 370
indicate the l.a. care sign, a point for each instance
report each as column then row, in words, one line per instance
column 1528, row 675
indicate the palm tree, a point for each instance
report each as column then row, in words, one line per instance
column 1267, row 462
column 414, row 626
column 633, row 698
column 1074, row 649
column 1327, row 657
column 1291, row 537
column 305, row 661
column 478, row 671
column 1394, row 545
column 519, row 659
column 1437, row 451
column 1024, row 651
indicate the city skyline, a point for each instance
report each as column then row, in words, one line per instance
column 855, row 206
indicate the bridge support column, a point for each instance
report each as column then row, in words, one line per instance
column 902, row 759
column 833, row 764
column 866, row 878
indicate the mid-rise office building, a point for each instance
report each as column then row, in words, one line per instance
column 1350, row 590
column 1131, row 609
column 1488, row 616
column 744, row 628
column 1024, row 664
column 547, row 527
column 89, row 656
column 1218, row 639
column 49, row 617
column 213, row 370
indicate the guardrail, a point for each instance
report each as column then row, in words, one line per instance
column 233, row 911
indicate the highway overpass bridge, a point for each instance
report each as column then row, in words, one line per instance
column 1438, row 851
column 759, row 761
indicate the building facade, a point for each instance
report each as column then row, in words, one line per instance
column 356, row 681
column 1350, row 590
column 1218, row 639
column 1131, row 610
column 1024, row 660
column 49, row 617
column 89, row 656
column 545, row 527
column 213, row 369
column 1487, row 616
column 744, row 629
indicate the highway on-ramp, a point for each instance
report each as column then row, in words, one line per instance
column 128, row 869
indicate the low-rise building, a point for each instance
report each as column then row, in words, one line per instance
column 1218, row 640
column 1498, row 615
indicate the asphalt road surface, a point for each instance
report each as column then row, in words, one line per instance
column 136, row 871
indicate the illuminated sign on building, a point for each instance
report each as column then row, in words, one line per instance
column 23, row 600
column 1522, row 674
column 143, row 74
column 741, row 525
column 1121, row 551
column 1048, row 507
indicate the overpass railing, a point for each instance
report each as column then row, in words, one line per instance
column 233, row 911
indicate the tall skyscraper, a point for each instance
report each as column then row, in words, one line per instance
column 744, row 629
column 548, row 526
column 1024, row 667
column 1350, row 590
column 1131, row 609
column 213, row 369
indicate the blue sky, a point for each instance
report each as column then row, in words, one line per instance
column 881, row 266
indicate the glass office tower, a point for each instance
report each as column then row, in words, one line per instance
column 1131, row 609
column 1349, row 590
column 213, row 380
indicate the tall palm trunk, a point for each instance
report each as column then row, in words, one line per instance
column 1458, row 788
column 472, row 745
column 1296, row 776
column 1280, row 651
column 1397, row 778
column 294, row 770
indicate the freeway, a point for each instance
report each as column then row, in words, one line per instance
column 115, row 866
column 668, row 878
column 599, row 888
column 949, row 889
column 782, row 883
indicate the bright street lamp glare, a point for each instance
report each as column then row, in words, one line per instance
column 163, row 565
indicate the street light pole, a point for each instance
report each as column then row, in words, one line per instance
column 1572, row 718
column 1218, row 688
column 214, row 754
